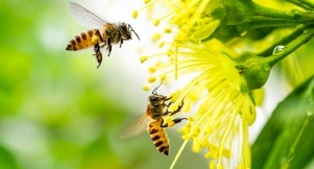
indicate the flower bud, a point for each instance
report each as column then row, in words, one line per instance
column 254, row 69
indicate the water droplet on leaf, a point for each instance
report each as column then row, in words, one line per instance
column 278, row 49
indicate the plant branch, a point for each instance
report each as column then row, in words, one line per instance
column 261, row 22
column 260, row 10
column 283, row 41
column 306, row 35
column 300, row 4
column 293, row 15
column 308, row 3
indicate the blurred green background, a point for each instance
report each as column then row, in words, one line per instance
column 57, row 111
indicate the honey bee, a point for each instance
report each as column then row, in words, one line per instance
column 102, row 34
column 156, row 109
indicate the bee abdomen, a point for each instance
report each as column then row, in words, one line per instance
column 81, row 41
column 162, row 146
column 159, row 137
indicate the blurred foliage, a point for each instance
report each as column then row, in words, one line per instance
column 287, row 139
column 7, row 160
column 56, row 111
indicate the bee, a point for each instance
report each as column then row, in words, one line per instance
column 156, row 109
column 103, row 33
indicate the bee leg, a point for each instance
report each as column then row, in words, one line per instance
column 169, row 104
column 176, row 111
column 97, row 39
column 96, row 48
column 121, row 42
column 178, row 120
column 168, row 98
column 99, row 35
column 97, row 54
column 175, row 121
column 99, row 58
column 173, row 112
column 109, row 46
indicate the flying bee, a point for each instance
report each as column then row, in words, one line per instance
column 156, row 109
column 102, row 34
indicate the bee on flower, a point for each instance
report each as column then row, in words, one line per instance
column 224, row 48
column 226, row 107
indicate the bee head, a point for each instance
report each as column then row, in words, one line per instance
column 126, row 30
column 156, row 100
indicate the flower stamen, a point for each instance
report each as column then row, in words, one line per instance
column 178, row 154
column 148, row 4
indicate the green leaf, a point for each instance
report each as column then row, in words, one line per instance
column 287, row 140
column 7, row 160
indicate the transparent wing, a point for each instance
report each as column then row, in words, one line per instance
column 135, row 127
column 86, row 17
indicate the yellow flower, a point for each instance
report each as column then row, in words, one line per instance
column 193, row 17
column 218, row 98
column 227, row 48
column 225, row 106
column 189, row 16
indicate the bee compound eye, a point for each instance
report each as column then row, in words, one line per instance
column 124, row 28
column 153, row 99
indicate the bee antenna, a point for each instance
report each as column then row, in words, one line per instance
column 156, row 88
column 134, row 31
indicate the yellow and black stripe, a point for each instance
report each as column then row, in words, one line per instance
column 82, row 40
column 158, row 136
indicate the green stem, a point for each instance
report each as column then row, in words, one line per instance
column 261, row 22
column 284, row 41
column 260, row 10
column 308, row 3
column 293, row 15
column 291, row 47
column 300, row 4
column 178, row 154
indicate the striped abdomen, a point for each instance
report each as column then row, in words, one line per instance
column 158, row 136
column 82, row 40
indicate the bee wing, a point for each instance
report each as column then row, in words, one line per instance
column 135, row 127
column 86, row 17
